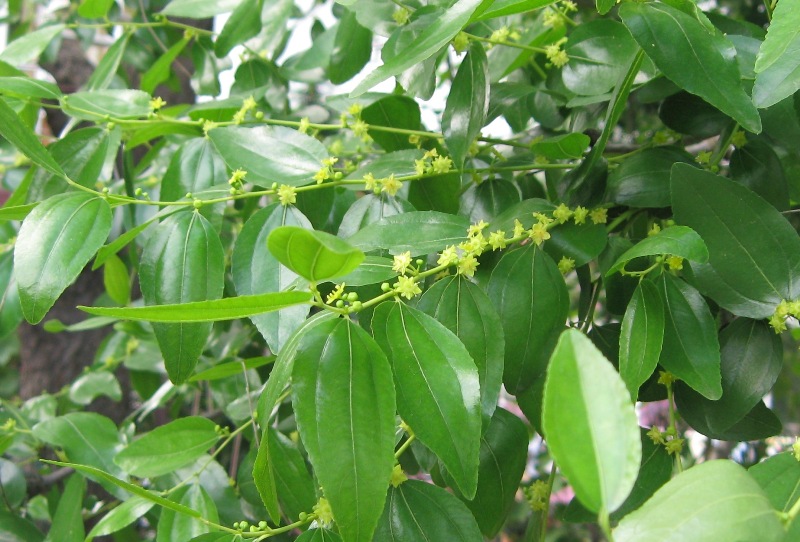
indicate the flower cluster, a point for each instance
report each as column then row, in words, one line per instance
column 431, row 162
column 669, row 439
column 341, row 300
column 388, row 185
column 401, row 16
column 287, row 195
column 537, row 495
column 784, row 310
column 503, row 35
column 326, row 171
column 248, row 105
column 237, row 181
column 556, row 56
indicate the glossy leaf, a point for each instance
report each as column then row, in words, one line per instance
column 10, row 308
column 585, row 400
column 600, row 52
column 502, row 8
column 503, row 455
column 643, row 180
column 314, row 255
column 418, row 511
column 465, row 310
column 168, row 447
column 30, row 45
column 56, row 240
column 351, row 49
column 160, row 70
column 779, row 477
column 530, row 296
column 399, row 112
column 372, row 270
column 467, row 104
column 674, row 240
column 420, row 232
column 18, row 134
column 754, row 253
column 87, row 387
column 232, row 368
column 120, row 517
column 685, row 52
column 199, row 9
column 341, row 379
column 116, row 280
column 296, row 489
column 27, row 87
column 14, row 528
column 319, row 535
column 256, row 271
column 107, row 67
column 174, row 525
column 641, row 337
column 438, row 390
column 690, row 349
column 712, row 501
column 270, row 153
column 182, row 262
column 240, row 27
column 96, row 105
column 562, row 147
column 777, row 65
column 94, row 9
column 194, row 167
column 67, row 521
column 72, row 431
column 428, row 43
column 757, row 166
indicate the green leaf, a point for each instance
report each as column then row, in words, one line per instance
column 181, row 263
column 116, row 280
column 94, row 9
column 96, row 105
column 195, row 166
column 427, row 44
column 270, row 153
column 160, row 70
column 91, row 385
column 641, row 337
column 256, row 271
column 437, row 384
column 643, row 180
column 690, row 349
column 199, row 9
column 420, row 232
column 174, row 525
column 168, row 447
column 102, row 475
column 107, row 68
column 319, row 535
column 25, row 87
column 372, row 270
column 696, row 60
column 777, row 65
column 751, row 360
column 502, row 8
column 713, row 501
column 754, row 253
column 419, row 511
column 120, row 517
column 229, row 308
column 314, row 255
column 757, row 166
column 464, row 309
column 467, row 104
column 399, row 163
column 604, row 6
column 295, row 486
column 562, row 147
column 13, row 528
column 10, row 308
column 395, row 112
column 352, row 49
column 68, row 521
column 344, row 401
column 240, row 27
column 231, row 368
column 600, row 52
column 530, row 296
column 47, row 254
column 586, row 401
column 263, row 468
column 87, row 437
column 17, row 212
column 779, row 477
column 18, row 134
column 488, row 199
column 30, row 45
column 503, row 456
column 674, row 240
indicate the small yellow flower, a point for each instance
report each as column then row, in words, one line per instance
column 390, row 185
column 665, row 378
column 467, row 265
column 324, row 512
column 569, row 5
column 335, row 294
column 401, row 16
column 407, row 287
column 796, row 449
column 287, row 194
column 519, row 229
column 599, row 216
column 355, row 109
column 654, row 230
column 401, row 262
column 420, row 166
column 739, row 139
column 370, row 184
column 675, row 263
column 552, row 19
column 565, row 265
column 675, row 446
column 539, row 233
column 580, row 214
column 330, row 161
column 460, row 42
column 305, row 124
column 360, row 129
column 703, row 158
column 433, row 153
column 157, row 103
column 415, row 140
column 474, row 245
column 778, row 324
column 543, row 218
column 237, row 177
column 475, row 229
column 656, row 435
column 562, row 213
column 560, row 59
column 208, row 125
column 322, row 175
column 501, row 34
column 398, row 476
column 497, row 239
column 448, row 256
